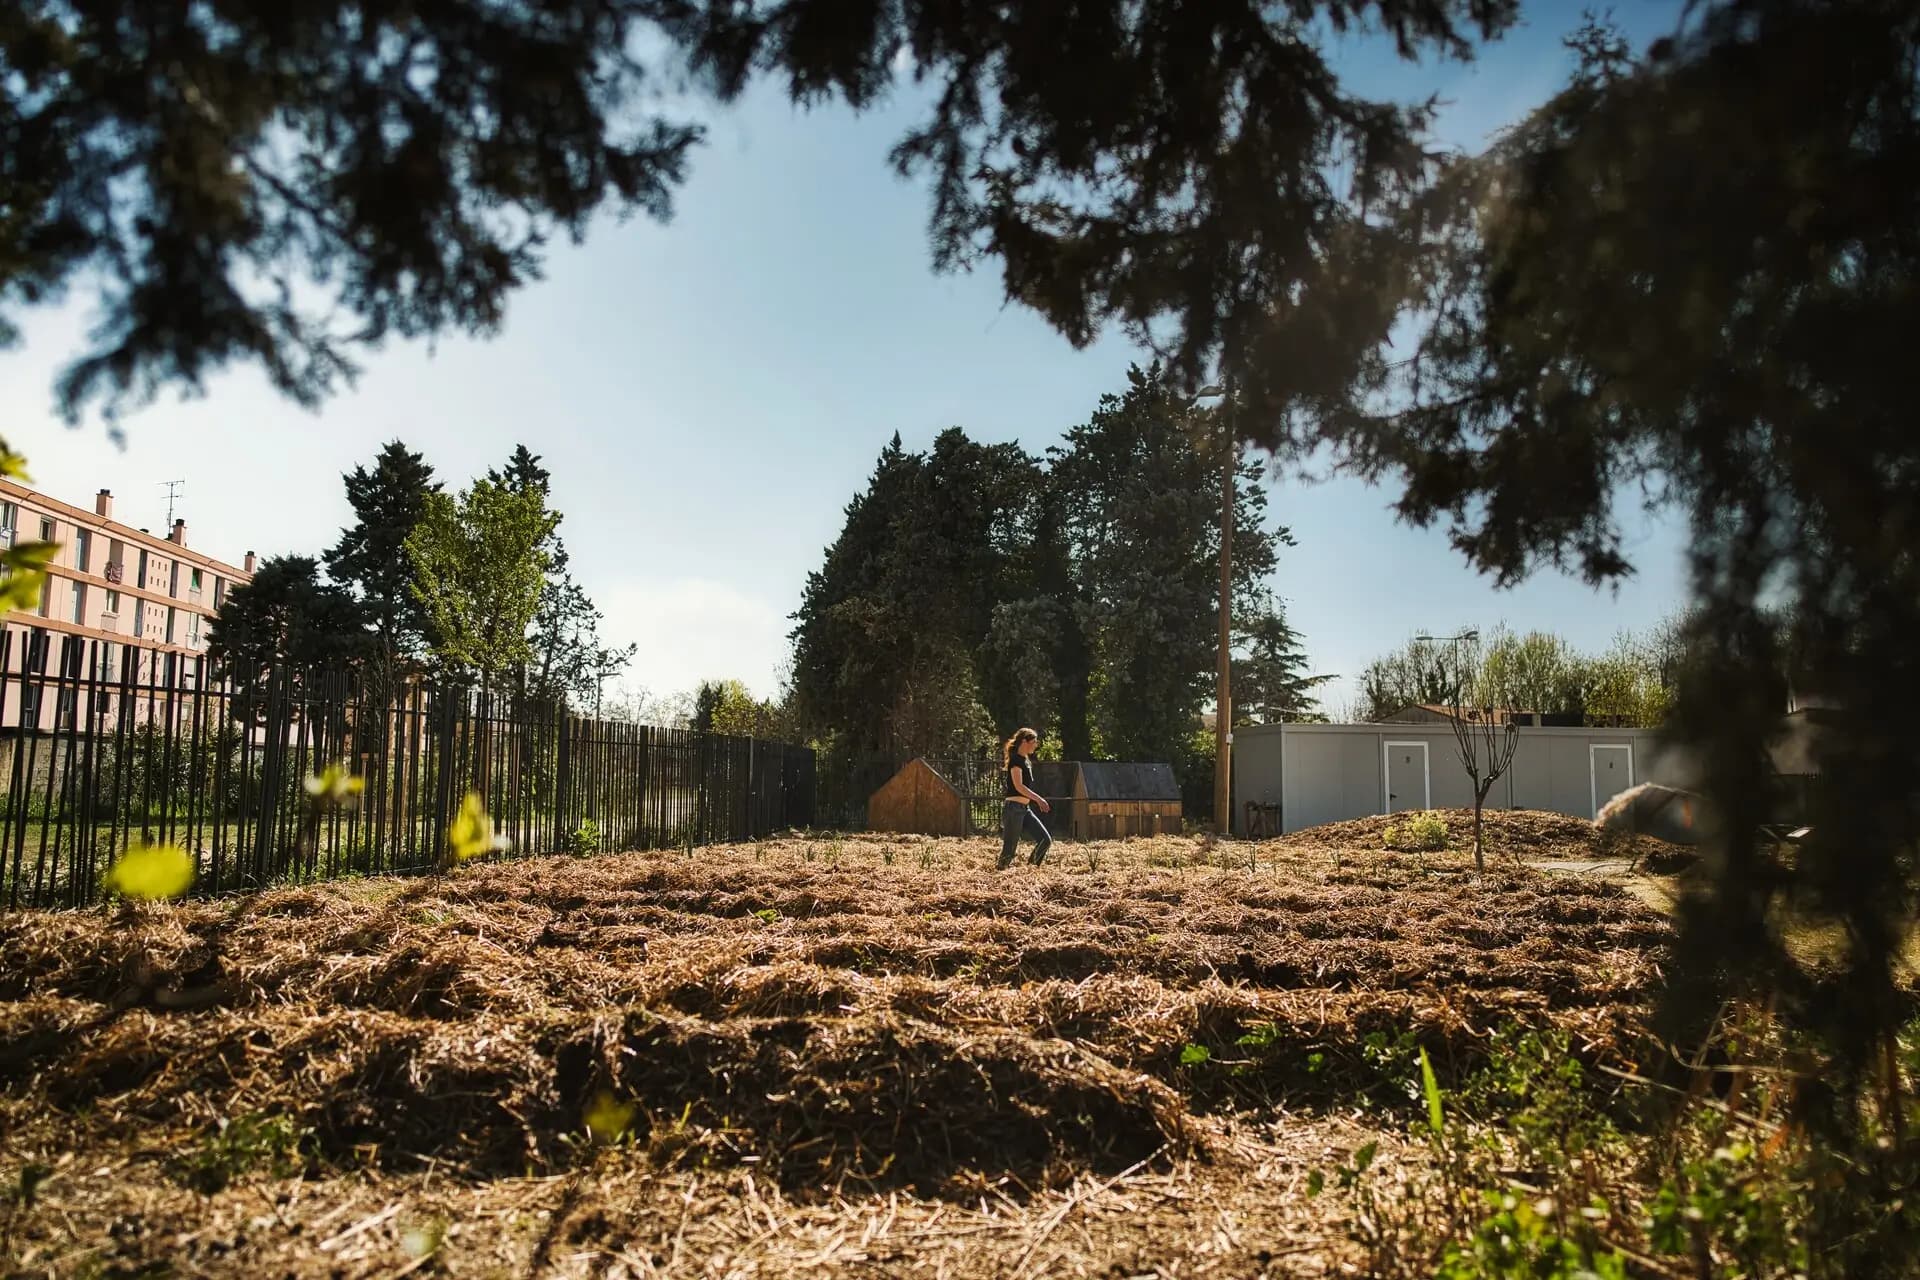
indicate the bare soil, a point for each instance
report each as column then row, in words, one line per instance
column 855, row 1056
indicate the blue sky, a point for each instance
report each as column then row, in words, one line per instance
column 709, row 393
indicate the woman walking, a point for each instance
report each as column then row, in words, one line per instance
column 1017, row 814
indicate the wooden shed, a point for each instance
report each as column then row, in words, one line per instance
column 1112, row 800
column 918, row 801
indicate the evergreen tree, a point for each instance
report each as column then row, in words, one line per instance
column 286, row 618
column 523, row 473
column 1062, row 618
column 1270, row 680
column 969, row 593
column 568, row 656
column 371, row 556
column 892, row 636
column 1139, row 486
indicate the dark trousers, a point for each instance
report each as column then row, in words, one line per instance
column 1016, row 818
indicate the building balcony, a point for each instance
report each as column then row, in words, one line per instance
column 114, row 572
column 110, row 622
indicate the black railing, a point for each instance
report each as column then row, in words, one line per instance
column 103, row 746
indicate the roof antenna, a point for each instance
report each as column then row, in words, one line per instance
column 173, row 488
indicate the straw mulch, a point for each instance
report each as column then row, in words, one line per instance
column 830, row 1056
column 1515, row 835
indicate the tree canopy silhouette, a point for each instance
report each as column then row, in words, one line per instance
column 222, row 173
column 1690, row 279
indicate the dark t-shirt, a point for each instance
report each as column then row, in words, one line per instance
column 1022, row 767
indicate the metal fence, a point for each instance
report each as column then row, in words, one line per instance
column 110, row 746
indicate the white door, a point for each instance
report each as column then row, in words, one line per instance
column 1409, row 783
column 1611, row 765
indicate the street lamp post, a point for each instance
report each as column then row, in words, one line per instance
column 1223, row 688
column 1456, row 641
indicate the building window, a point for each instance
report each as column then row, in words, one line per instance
column 46, row 598
column 31, row 690
column 193, row 631
column 170, row 621
column 80, row 602
column 196, row 581
column 140, row 578
column 9, row 515
column 72, row 649
column 219, row 590
column 82, row 550
column 173, row 580
column 113, row 603
column 46, row 529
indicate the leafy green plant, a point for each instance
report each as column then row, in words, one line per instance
column 1393, row 1060
column 242, row 1145
column 768, row 915
column 585, row 840
column 1419, row 833
column 1260, row 1036
column 1194, row 1055
column 1540, row 1169
column 1518, row 1240
column 1730, row 1205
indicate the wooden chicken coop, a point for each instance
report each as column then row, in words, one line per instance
column 919, row 801
column 1112, row 801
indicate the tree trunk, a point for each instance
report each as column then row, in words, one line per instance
column 1479, row 804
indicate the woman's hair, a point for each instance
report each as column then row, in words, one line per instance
column 1019, row 736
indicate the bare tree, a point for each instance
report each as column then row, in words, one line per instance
column 1481, row 710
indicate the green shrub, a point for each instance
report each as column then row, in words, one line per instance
column 1420, row 833
column 585, row 840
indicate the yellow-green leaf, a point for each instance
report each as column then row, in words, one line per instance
column 1430, row 1086
column 471, row 833
column 13, row 465
column 608, row 1118
column 336, row 784
column 152, row 872
column 23, row 573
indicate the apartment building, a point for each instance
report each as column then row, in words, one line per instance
column 120, row 605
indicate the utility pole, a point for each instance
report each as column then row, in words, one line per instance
column 173, row 488
column 1223, row 686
